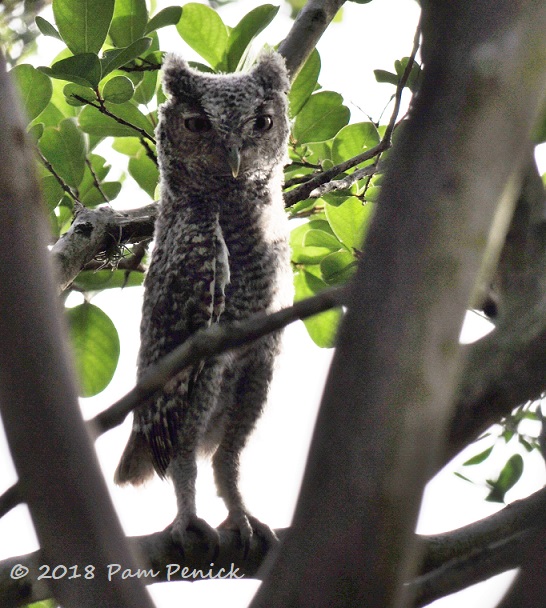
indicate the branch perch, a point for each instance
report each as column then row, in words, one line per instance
column 93, row 231
column 452, row 559
column 207, row 343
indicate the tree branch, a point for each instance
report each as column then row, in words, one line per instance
column 457, row 559
column 469, row 570
column 60, row 478
column 94, row 231
column 10, row 499
column 207, row 343
column 104, row 110
column 453, row 560
column 344, row 183
column 66, row 188
column 302, row 192
column 518, row 516
column 309, row 26
column 506, row 368
column 421, row 258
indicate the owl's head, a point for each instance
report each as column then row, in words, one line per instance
column 224, row 125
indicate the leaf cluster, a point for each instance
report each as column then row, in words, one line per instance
column 519, row 430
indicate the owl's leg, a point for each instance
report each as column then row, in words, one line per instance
column 183, row 471
column 249, row 397
column 183, row 466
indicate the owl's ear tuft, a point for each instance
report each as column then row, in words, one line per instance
column 178, row 78
column 271, row 70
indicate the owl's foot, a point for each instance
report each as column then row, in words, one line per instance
column 247, row 525
column 179, row 533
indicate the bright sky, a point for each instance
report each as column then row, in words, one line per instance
column 274, row 460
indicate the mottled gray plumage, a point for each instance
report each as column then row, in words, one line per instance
column 221, row 254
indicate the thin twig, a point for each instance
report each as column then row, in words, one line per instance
column 345, row 183
column 149, row 152
column 304, row 191
column 10, row 499
column 96, row 182
column 207, row 343
column 66, row 188
column 401, row 85
column 104, row 110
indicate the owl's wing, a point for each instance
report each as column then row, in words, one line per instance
column 179, row 301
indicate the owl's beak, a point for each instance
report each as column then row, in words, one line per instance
column 234, row 159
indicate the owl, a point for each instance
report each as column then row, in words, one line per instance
column 221, row 254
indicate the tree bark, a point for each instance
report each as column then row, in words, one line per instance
column 55, row 461
column 445, row 207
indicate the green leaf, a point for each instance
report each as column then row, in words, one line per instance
column 304, row 84
column 51, row 116
column 168, row 16
column 349, row 220
column 372, row 194
column 146, row 89
column 296, row 241
column 462, row 477
column 118, row 90
column 322, row 328
column 318, row 152
column 321, row 238
column 108, row 192
column 479, row 458
column 100, row 168
column 529, row 447
column 74, row 93
column 107, row 279
column 34, row 88
column 354, row 139
column 338, row 267
column 64, row 148
column 145, row 172
column 129, row 22
column 321, row 117
column 43, row 604
column 52, row 191
column 84, row 69
column 387, row 77
column 95, row 343
column 203, row 29
column 36, row 131
column 245, row 31
column 116, row 58
column 83, row 24
column 414, row 78
column 46, row 28
column 130, row 146
column 92, row 121
column 508, row 478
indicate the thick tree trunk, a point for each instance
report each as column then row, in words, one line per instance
column 58, row 470
column 440, row 223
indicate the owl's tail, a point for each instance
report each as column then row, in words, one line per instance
column 135, row 466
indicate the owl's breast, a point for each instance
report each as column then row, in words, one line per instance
column 259, row 261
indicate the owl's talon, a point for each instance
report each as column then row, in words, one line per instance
column 179, row 533
column 248, row 526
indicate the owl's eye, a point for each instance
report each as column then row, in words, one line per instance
column 197, row 124
column 263, row 123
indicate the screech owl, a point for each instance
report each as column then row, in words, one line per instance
column 221, row 254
